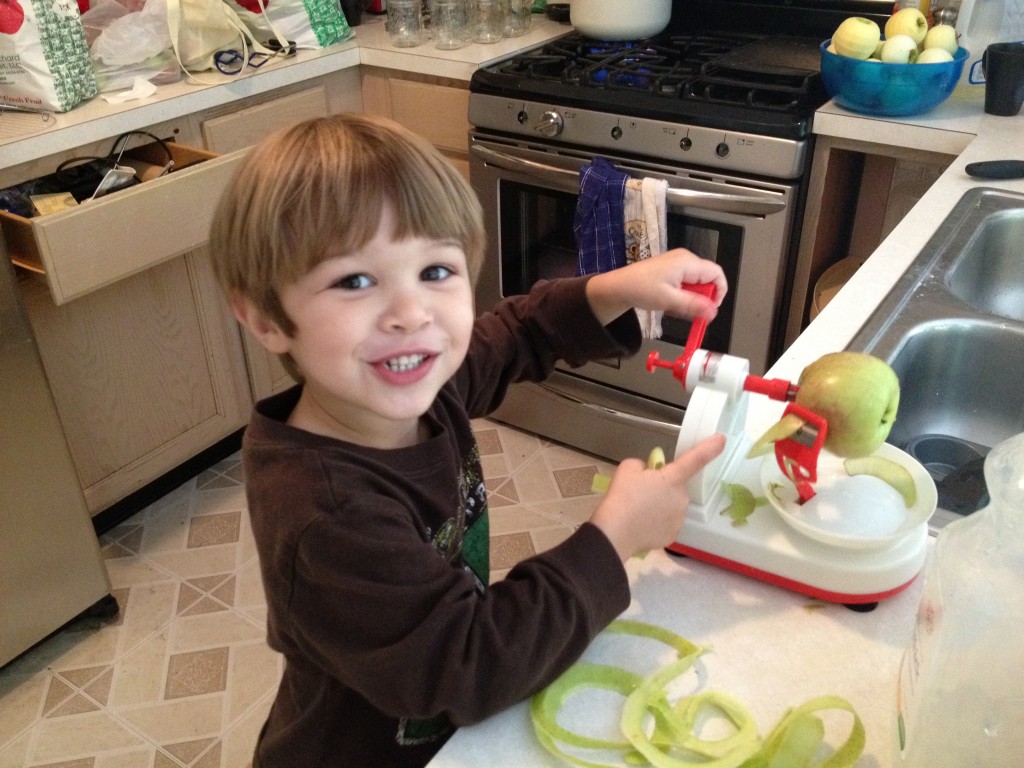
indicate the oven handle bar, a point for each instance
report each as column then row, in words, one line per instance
column 676, row 199
column 605, row 410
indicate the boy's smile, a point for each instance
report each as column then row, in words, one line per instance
column 377, row 333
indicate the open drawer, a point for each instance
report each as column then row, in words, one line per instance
column 105, row 240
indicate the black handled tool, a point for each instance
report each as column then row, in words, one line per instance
column 996, row 169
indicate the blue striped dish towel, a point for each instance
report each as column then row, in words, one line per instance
column 598, row 226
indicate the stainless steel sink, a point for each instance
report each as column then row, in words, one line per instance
column 953, row 330
column 989, row 272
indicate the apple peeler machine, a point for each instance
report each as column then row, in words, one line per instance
column 772, row 544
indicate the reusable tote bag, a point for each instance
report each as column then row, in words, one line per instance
column 307, row 23
column 44, row 56
column 200, row 28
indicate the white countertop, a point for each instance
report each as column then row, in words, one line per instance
column 24, row 137
column 775, row 649
column 770, row 649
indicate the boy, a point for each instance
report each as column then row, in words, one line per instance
column 349, row 247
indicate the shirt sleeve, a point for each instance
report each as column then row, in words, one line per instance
column 415, row 638
column 525, row 336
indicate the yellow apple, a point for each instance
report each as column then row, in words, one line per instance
column 856, row 37
column 941, row 36
column 934, row 56
column 907, row 21
column 899, row 49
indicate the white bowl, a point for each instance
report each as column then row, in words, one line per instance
column 620, row 19
column 860, row 512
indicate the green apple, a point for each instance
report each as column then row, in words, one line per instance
column 856, row 37
column 941, row 36
column 899, row 49
column 907, row 21
column 934, row 56
column 858, row 394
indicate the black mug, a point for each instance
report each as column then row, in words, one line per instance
column 353, row 10
column 1004, row 78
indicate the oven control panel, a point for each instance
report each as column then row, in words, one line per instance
column 674, row 142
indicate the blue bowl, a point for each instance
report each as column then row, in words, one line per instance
column 875, row 88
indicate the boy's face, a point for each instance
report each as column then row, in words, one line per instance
column 377, row 333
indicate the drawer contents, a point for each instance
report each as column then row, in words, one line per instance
column 88, row 178
column 163, row 212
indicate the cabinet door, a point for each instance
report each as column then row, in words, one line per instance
column 146, row 373
column 228, row 133
column 438, row 111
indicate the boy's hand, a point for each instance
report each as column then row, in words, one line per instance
column 644, row 508
column 655, row 284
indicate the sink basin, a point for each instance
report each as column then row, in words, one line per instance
column 960, row 377
column 989, row 272
column 953, row 330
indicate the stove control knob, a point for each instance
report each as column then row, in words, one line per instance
column 522, row 117
column 551, row 124
column 722, row 150
column 686, row 143
column 616, row 133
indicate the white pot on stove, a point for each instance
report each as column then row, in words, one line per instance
column 620, row 19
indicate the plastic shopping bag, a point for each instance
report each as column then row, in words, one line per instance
column 44, row 57
column 126, row 45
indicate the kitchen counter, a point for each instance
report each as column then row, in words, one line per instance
column 770, row 649
column 26, row 137
column 774, row 649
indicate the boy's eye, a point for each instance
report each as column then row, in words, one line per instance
column 436, row 272
column 353, row 282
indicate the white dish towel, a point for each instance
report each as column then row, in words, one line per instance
column 646, row 234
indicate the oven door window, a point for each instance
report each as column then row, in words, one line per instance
column 537, row 243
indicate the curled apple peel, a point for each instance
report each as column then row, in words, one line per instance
column 887, row 470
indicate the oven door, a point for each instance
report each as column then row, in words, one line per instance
column 529, row 193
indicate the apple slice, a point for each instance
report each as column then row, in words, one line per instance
column 780, row 430
column 656, row 458
column 894, row 474
column 742, row 503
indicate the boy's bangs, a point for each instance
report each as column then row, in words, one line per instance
column 317, row 191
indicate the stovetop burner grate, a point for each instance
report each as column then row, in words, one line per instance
column 693, row 75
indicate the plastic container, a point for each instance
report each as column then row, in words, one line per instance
column 874, row 88
column 980, row 23
column 960, row 697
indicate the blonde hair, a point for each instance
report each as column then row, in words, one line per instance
column 317, row 189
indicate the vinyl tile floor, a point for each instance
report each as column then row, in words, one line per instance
column 182, row 677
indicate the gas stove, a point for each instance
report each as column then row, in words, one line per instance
column 743, row 66
column 737, row 82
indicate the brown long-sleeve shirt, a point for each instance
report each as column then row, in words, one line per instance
column 375, row 564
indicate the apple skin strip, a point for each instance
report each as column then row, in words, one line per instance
column 889, row 471
column 672, row 740
column 785, row 427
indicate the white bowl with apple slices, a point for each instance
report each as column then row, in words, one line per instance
column 852, row 512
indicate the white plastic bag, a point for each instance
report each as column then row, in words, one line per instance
column 133, row 37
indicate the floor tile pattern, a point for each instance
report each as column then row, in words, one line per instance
column 182, row 677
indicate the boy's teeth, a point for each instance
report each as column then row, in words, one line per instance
column 405, row 362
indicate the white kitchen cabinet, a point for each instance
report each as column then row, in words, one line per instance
column 858, row 192
column 146, row 373
column 435, row 108
column 140, row 353
column 226, row 131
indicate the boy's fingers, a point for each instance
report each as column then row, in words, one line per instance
column 702, row 454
